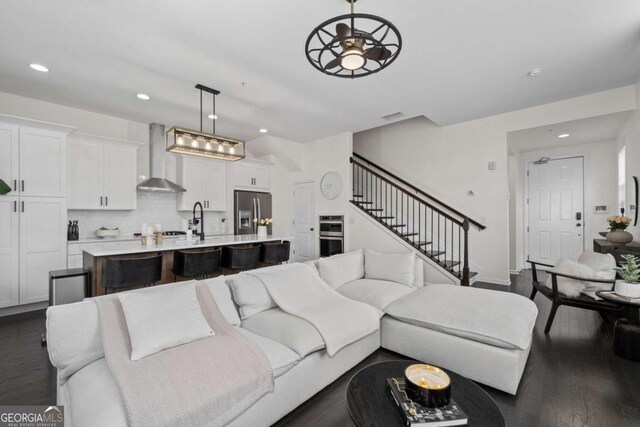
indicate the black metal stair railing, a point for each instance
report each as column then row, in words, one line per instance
column 431, row 227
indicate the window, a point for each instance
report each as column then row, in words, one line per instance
column 622, row 176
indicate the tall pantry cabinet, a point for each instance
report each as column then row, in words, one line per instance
column 33, row 215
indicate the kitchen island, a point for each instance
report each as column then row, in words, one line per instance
column 93, row 255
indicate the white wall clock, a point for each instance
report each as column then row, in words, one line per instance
column 331, row 185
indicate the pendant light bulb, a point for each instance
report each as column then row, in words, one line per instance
column 220, row 148
column 194, row 143
column 352, row 58
column 232, row 150
column 180, row 141
column 207, row 146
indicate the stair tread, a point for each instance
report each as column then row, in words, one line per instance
column 448, row 263
column 362, row 202
column 434, row 253
column 397, row 225
column 383, row 217
column 373, row 209
column 421, row 243
column 357, row 195
column 408, row 234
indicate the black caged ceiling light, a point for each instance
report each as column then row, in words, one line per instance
column 353, row 45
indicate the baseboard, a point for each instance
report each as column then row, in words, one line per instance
column 516, row 272
column 23, row 308
column 495, row 281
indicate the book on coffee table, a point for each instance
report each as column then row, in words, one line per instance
column 450, row 415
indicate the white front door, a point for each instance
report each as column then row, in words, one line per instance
column 556, row 210
column 304, row 221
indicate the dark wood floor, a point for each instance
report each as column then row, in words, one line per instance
column 572, row 377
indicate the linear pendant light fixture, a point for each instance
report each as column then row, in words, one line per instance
column 353, row 45
column 198, row 143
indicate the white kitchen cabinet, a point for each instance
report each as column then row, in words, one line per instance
column 43, row 163
column 9, row 251
column 252, row 175
column 43, row 245
column 102, row 173
column 205, row 181
column 33, row 161
column 10, row 158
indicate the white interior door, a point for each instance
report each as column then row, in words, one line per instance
column 556, row 210
column 304, row 218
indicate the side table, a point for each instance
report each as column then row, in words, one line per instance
column 626, row 331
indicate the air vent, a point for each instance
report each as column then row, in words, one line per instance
column 393, row 116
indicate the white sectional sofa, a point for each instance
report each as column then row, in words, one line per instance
column 301, row 366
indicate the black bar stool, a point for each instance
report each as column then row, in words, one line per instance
column 274, row 252
column 196, row 264
column 240, row 257
column 123, row 273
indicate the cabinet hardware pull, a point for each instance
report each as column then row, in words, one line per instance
column 15, row 184
column 100, row 200
column 22, row 206
column 22, row 181
column 15, row 206
column 106, row 200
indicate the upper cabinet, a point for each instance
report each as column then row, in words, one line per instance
column 102, row 173
column 205, row 181
column 253, row 175
column 34, row 161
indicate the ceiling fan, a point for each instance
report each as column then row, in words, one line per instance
column 350, row 51
column 353, row 55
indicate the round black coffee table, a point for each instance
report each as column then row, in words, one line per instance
column 626, row 332
column 370, row 405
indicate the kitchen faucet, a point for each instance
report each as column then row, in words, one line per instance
column 201, row 220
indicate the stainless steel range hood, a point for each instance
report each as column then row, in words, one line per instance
column 157, row 182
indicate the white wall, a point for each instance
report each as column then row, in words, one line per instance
column 448, row 161
column 600, row 188
column 630, row 135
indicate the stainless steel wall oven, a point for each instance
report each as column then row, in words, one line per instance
column 331, row 235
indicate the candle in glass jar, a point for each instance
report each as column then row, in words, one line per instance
column 428, row 385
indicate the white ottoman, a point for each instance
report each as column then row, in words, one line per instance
column 481, row 334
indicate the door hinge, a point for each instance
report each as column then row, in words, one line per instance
column 527, row 200
column 527, row 173
column 527, row 257
column 527, row 228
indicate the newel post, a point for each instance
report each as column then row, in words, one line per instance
column 465, row 268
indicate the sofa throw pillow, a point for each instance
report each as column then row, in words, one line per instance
column 397, row 267
column 340, row 269
column 250, row 294
column 602, row 265
column 222, row 295
column 566, row 286
column 162, row 318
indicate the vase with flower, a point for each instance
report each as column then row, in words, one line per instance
column 263, row 224
column 617, row 229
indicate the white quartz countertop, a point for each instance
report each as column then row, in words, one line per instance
column 135, row 247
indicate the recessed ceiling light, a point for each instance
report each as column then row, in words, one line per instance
column 263, row 130
column 535, row 72
column 39, row 67
column 143, row 96
column 564, row 135
column 213, row 117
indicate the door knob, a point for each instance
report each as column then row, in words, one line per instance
column 311, row 229
column 578, row 225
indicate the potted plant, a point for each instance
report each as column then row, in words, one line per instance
column 618, row 224
column 630, row 273
column 263, row 223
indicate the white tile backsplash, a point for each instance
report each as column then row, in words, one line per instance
column 153, row 208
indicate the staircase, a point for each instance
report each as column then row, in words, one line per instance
column 434, row 229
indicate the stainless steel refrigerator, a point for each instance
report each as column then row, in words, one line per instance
column 249, row 205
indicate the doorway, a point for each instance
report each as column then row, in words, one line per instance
column 304, row 221
column 555, row 207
